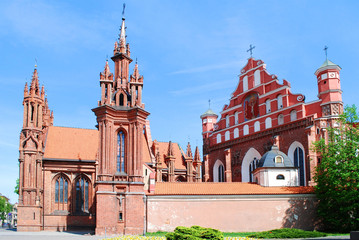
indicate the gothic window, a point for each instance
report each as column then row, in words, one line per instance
column 219, row 138
column 82, row 195
column 293, row 115
column 121, row 99
column 61, row 193
column 252, row 166
column 120, row 152
column 279, row 101
column 257, row 78
column 245, row 83
column 268, row 122
column 268, row 109
column 227, row 121
column 236, row 118
column 257, row 126
column 220, row 173
column 299, row 162
column 280, row 119
column 227, row 136
column 236, row 133
column 245, row 130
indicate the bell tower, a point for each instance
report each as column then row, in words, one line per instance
column 36, row 120
column 121, row 118
column 328, row 76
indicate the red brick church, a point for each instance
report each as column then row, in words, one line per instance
column 114, row 178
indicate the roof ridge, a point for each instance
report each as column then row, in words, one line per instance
column 75, row 128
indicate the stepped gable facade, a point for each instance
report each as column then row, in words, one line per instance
column 263, row 112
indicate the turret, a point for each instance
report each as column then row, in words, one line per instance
column 106, row 83
column 209, row 119
column 197, row 164
column 328, row 76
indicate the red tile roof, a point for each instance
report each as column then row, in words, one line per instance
column 71, row 143
column 233, row 188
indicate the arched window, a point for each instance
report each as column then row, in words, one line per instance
column 257, row 78
column 268, row 109
column 245, row 130
column 236, row 118
column 279, row 101
column 121, row 99
column 299, row 162
column 227, row 121
column 280, row 177
column 257, row 126
column 280, row 119
column 121, row 152
column 253, row 166
column 236, row 133
column 61, row 193
column 219, row 138
column 268, row 122
column 220, row 173
column 245, row 83
column 227, row 136
column 293, row 115
column 82, row 195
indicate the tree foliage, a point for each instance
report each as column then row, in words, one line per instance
column 16, row 190
column 5, row 207
column 337, row 175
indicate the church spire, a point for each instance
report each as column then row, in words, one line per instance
column 34, row 86
column 189, row 151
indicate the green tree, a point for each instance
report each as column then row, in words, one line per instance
column 337, row 175
column 16, row 190
column 5, row 207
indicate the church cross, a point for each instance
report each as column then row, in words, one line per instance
column 123, row 10
column 209, row 103
column 251, row 49
column 326, row 52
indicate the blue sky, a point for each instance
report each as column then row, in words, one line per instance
column 188, row 51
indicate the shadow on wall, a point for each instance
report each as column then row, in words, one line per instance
column 302, row 214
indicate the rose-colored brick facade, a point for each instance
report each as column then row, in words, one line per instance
column 261, row 113
column 105, row 179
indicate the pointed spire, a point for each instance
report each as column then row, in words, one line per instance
column 122, row 37
column 26, row 90
column 189, row 151
column 34, row 87
column 170, row 149
column 106, row 74
column 197, row 157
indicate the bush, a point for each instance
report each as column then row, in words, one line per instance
column 194, row 233
column 287, row 233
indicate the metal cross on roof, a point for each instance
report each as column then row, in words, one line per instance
column 251, row 49
column 326, row 52
column 209, row 103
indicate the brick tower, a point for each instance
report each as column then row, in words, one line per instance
column 36, row 120
column 121, row 119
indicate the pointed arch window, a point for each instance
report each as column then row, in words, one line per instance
column 82, row 195
column 220, row 173
column 299, row 162
column 121, row 100
column 121, row 140
column 61, row 193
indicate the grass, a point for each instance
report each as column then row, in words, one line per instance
column 288, row 233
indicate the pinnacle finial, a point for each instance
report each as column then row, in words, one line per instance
column 326, row 52
column 35, row 63
column 123, row 10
